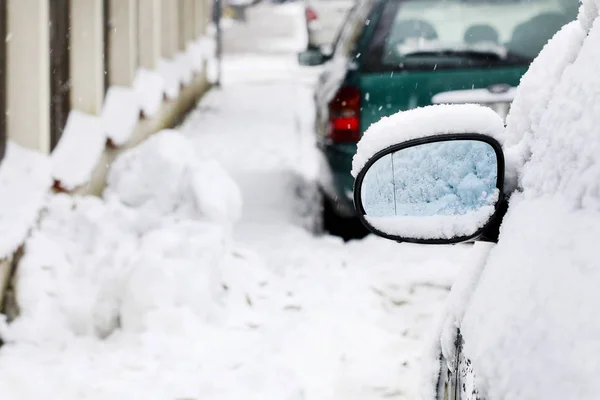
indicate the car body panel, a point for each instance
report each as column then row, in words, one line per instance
column 386, row 90
column 383, row 94
column 387, row 93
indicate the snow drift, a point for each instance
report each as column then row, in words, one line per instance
column 96, row 265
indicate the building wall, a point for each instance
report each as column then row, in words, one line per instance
column 51, row 63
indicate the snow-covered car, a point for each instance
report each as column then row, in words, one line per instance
column 323, row 20
column 522, row 321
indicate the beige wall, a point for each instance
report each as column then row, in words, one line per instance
column 142, row 31
column 87, row 58
column 149, row 32
column 123, row 57
column 186, row 22
column 28, row 74
column 169, row 27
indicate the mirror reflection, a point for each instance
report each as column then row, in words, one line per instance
column 439, row 179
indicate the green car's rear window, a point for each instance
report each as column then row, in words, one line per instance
column 432, row 34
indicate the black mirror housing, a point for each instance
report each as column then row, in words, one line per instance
column 439, row 189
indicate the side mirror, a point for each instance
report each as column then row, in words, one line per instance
column 311, row 57
column 438, row 189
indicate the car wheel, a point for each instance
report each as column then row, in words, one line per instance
column 347, row 228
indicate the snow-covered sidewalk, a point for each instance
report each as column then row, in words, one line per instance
column 195, row 278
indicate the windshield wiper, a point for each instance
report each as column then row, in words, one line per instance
column 474, row 54
column 508, row 56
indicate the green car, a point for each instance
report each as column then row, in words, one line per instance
column 396, row 55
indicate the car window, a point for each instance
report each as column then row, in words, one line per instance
column 351, row 30
column 462, row 33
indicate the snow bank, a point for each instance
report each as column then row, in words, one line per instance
column 77, row 153
column 120, row 114
column 24, row 182
column 149, row 89
column 426, row 121
column 96, row 265
column 165, row 175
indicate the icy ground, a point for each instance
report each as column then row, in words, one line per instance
column 184, row 283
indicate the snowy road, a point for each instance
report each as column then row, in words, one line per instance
column 122, row 299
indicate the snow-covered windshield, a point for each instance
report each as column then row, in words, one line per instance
column 466, row 33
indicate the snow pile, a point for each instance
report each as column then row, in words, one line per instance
column 95, row 265
column 120, row 114
column 24, row 183
column 149, row 88
column 80, row 146
column 426, row 121
column 164, row 176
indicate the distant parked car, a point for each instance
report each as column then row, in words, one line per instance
column 521, row 322
column 394, row 55
column 323, row 21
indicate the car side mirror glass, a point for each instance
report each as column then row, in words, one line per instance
column 311, row 57
column 441, row 189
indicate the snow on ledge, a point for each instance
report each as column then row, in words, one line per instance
column 185, row 69
column 169, row 70
column 196, row 54
column 24, row 182
column 426, row 121
column 149, row 87
column 78, row 151
column 120, row 114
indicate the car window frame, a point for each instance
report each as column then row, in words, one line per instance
column 374, row 47
column 352, row 29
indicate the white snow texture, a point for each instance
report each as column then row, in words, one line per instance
column 24, row 181
column 162, row 206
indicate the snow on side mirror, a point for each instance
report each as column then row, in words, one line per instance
column 421, row 176
column 438, row 189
